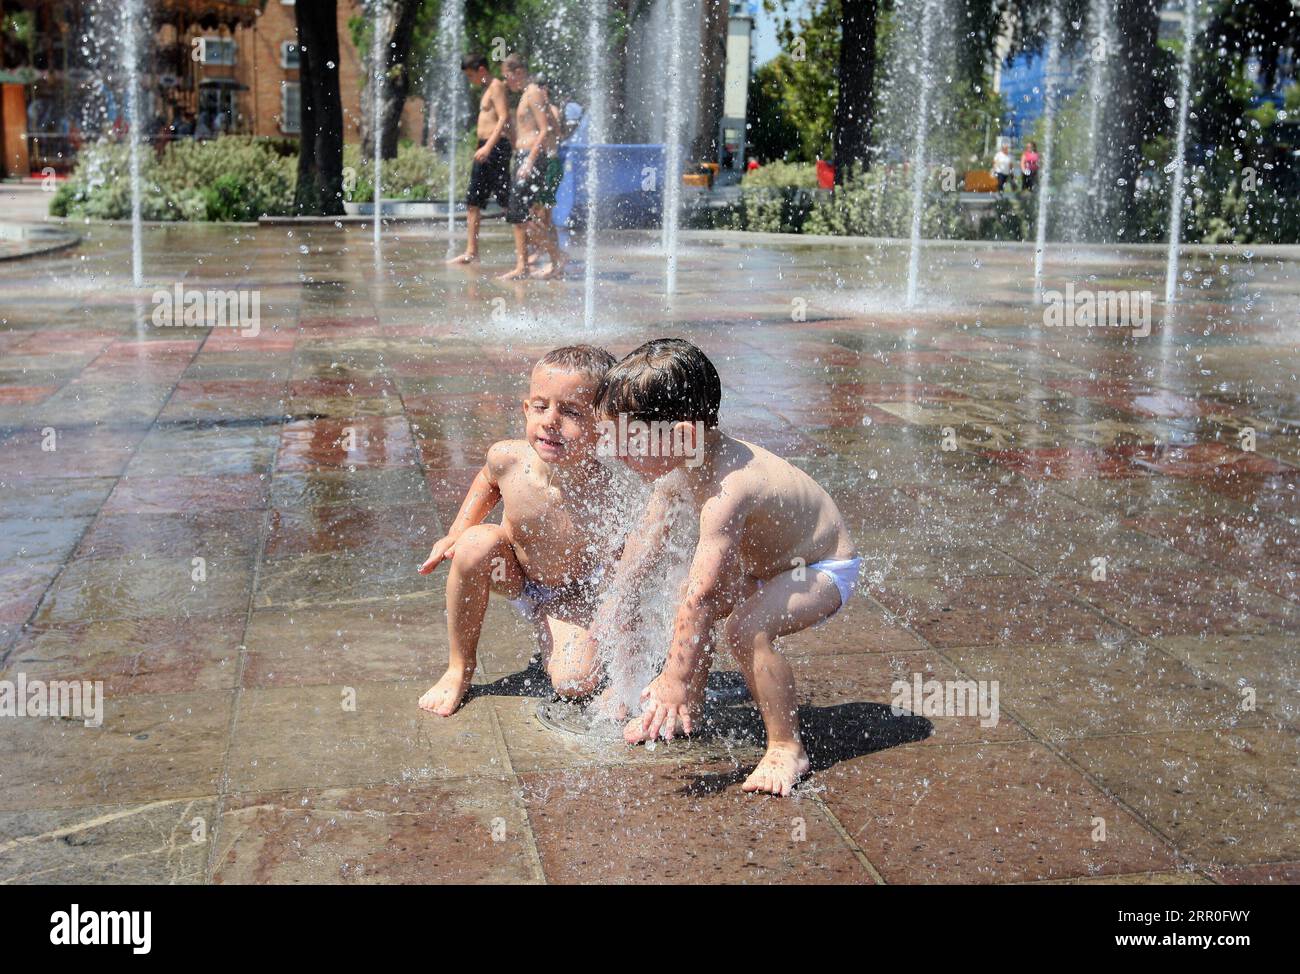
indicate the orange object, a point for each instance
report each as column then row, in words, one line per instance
column 825, row 175
column 696, row 179
column 980, row 181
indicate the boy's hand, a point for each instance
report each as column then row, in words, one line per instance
column 444, row 548
column 665, row 706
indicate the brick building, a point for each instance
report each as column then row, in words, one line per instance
column 218, row 65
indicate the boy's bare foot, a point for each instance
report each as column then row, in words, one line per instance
column 779, row 771
column 444, row 697
column 465, row 258
column 555, row 272
column 514, row 274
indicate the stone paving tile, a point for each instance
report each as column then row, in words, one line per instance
column 39, row 498
column 215, row 535
column 457, row 831
column 843, row 695
column 303, row 737
column 24, row 541
column 1221, row 797
column 1068, row 690
column 22, row 588
column 1265, row 664
column 626, row 825
column 157, row 843
column 163, row 495
column 1172, row 602
column 1001, row 813
column 150, row 747
column 130, row 656
column 142, row 587
column 973, row 611
column 384, row 640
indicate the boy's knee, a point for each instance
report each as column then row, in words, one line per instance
column 476, row 547
column 738, row 638
column 571, row 682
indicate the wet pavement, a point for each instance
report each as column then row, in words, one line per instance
column 224, row 530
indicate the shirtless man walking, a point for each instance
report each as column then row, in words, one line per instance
column 490, row 175
column 533, row 138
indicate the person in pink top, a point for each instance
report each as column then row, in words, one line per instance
column 1029, row 166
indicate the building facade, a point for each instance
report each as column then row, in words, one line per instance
column 208, row 67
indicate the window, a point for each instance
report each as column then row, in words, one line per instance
column 289, row 55
column 217, row 50
column 290, row 107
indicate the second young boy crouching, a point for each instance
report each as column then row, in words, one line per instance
column 551, row 549
column 774, row 555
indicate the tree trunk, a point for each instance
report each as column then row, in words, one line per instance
column 320, row 143
column 715, row 21
column 854, row 110
column 392, row 24
column 1129, row 115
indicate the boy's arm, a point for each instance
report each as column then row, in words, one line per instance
column 484, row 494
column 710, row 595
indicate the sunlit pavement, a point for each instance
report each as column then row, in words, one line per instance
column 1105, row 525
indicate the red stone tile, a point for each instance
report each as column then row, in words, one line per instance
column 1069, row 463
column 656, row 824
column 325, row 444
column 130, row 656
column 432, row 832
column 976, row 611
column 24, row 395
column 1172, row 602
column 162, row 495
column 316, row 530
column 994, row 813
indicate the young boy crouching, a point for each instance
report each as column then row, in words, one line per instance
column 551, row 548
column 774, row 555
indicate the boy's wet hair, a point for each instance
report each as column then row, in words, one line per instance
column 667, row 379
column 472, row 62
column 515, row 62
column 588, row 360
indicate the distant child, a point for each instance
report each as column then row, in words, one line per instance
column 552, row 546
column 489, row 175
column 774, row 554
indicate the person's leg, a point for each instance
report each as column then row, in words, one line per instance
column 470, row 256
column 483, row 561
column 521, row 254
column 783, row 605
column 550, row 241
column 572, row 663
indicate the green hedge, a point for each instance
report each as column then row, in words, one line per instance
column 234, row 178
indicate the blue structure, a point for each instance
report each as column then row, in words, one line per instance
column 630, row 190
column 1022, row 86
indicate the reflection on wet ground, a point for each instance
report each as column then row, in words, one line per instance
column 1107, row 526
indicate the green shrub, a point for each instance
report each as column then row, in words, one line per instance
column 878, row 203
column 416, row 173
column 781, row 174
column 231, row 178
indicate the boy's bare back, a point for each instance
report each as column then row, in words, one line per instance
column 778, row 515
